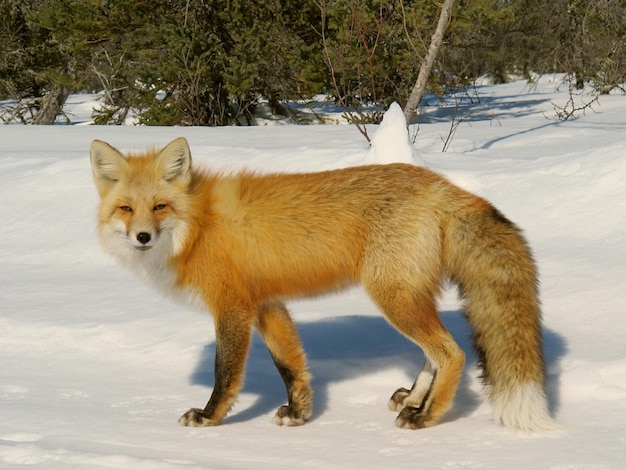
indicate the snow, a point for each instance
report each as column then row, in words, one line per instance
column 391, row 142
column 96, row 368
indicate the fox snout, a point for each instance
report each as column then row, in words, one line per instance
column 143, row 238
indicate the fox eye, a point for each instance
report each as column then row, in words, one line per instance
column 159, row 207
column 126, row 208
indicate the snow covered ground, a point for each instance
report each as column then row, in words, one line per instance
column 95, row 368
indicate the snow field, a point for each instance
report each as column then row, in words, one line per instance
column 96, row 367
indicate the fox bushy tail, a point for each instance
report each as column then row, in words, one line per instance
column 489, row 260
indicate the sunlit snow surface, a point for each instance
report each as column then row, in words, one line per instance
column 95, row 367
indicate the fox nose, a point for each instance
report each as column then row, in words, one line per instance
column 143, row 237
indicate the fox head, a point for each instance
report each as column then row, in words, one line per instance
column 143, row 200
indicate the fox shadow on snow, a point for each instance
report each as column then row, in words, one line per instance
column 346, row 347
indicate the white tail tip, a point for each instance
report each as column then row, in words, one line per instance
column 524, row 407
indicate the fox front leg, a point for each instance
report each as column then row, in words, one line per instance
column 280, row 335
column 232, row 343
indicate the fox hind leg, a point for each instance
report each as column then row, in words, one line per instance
column 416, row 317
column 281, row 338
column 419, row 391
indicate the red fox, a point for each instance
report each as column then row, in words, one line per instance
column 241, row 244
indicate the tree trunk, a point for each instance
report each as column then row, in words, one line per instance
column 51, row 105
column 422, row 77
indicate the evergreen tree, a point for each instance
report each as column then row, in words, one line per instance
column 210, row 62
column 373, row 50
column 29, row 65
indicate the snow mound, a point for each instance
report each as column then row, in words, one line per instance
column 391, row 142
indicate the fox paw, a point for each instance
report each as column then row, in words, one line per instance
column 289, row 416
column 196, row 418
column 412, row 417
column 396, row 402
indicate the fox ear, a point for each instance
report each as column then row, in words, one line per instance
column 175, row 161
column 107, row 164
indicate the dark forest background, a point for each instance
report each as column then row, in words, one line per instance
column 209, row 62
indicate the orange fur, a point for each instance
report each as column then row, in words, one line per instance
column 239, row 245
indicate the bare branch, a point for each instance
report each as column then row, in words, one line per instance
column 569, row 110
column 427, row 63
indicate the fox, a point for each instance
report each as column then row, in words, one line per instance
column 241, row 244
